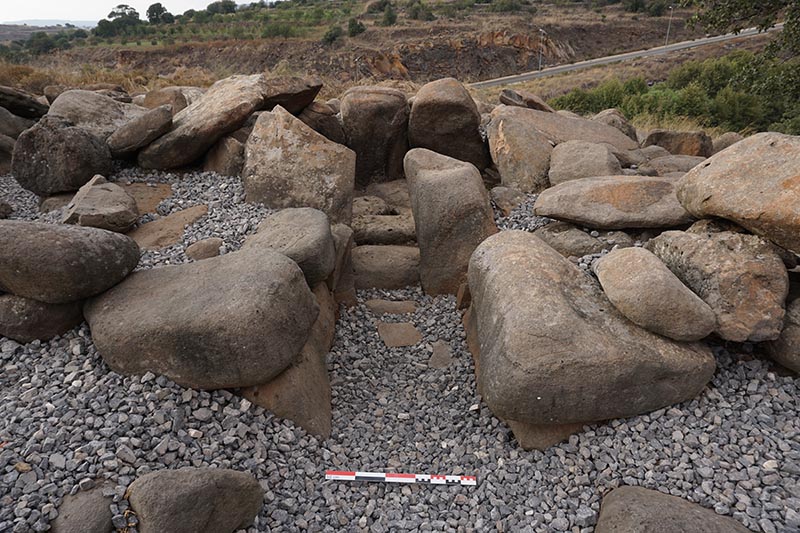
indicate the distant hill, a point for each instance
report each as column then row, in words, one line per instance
column 53, row 22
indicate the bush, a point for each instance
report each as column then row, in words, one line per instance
column 419, row 11
column 278, row 29
column 505, row 6
column 333, row 33
column 389, row 16
column 355, row 27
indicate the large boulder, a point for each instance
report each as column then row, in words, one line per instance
column 302, row 234
column 574, row 160
column 292, row 93
column 94, row 112
column 55, row 156
column 385, row 267
column 231, row 321
column 755, row 183
column 25, row 320
column 104, row 205
column 662, row 166
column 445, row 119
column 384, row 229
column 21, row 103
column 59, row 263
column 11, row 125
column 641, row 510
column 287, row 164
column 614, row 202
column 178, row 97
column 375, row 122
column 221, row 110
column 739, row 276
column 140, row 131
column 695, row 143
column 786, row 349
column 517, row 98
column 726, row 140
column 559, row 128
column 646, row 292
column 569, row 240
column 226, row 157
column 452, row 215
column 615, row 118
column 87, row 511
column 521, row 153
column 554, row 351
column 189, row 500
column 322, row 119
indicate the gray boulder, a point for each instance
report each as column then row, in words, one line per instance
column 573, row 160
column 726, row 140
column 226, row 157
column 87, row 511
column 384, row 229
column 21, row 103
column 190, row 500
column 661, row 166
column 569, row 240
column 231, row 321
column 11, row 125
column 695, row 143
column 520, row 151
column 140, row 131
column 786, row 348
column 615, row 118
column 177, row 97
column 55, row 156
column 94, row 112
column 385, row 267
column 511, row 97
column 322, row 119
column 6, row 154
column 59, row 263
column 104, row 205
column 26, row 320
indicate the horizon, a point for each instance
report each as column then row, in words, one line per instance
column 88, row 10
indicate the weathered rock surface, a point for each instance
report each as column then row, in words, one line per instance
column 5, row 210
column 573, row 160
column 190, row 500
column 55, row 156
column 739, row 276
column 386, row 267
column 511, row 97
column 168, row 230
column 755, row 183
column 231, row 321
column 204, row 249
column 21, row 103
column 398, row 334
column 661, row 166
column 6, row 154
column 681, row 142
column 545, row 326
column 395, row 193
column 287, row 164
column 521, row 153
column 726, row 140
column 226, row 157
column 786, row 349
column 614, row 202
column 646, row 292
column 569, row 240
column 25, row 320
column 322, row 119
column 178, row 97
column 140, row 131
column 59, row 263
column 444, row 119
column 384, row 229
column 641, row 510
column 615, row 118
column 84, row 512
column 302, row 392
column 371, row 205
column 342, row 280
column 94, row 112
column 221, row 110
column 303, row 235
column 292, row 93
column 507, row 199
column 388, row 307
column 375, row 121
column 452, row 215
column 104, row 205
column 11, row 125
column 147, row 195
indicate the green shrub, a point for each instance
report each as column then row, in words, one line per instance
column 389, row 16
column 333, row 33
column 278, row 29
column 505, row 6
column 355, row 27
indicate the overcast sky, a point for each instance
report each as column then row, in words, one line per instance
column 94, row 10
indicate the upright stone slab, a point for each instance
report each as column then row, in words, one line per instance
column 452, row 215
column 287, row 164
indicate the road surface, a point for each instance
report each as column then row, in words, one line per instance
column 661, row 50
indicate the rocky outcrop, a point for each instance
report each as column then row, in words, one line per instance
column 573, row 160
column 55, row 156
column 521, row 153
column 375, row 121
column 739, row 276
column 104, row 205
column 452, row 216
column 755, row 183
column 231, row 321
column 614, row 202
column 544, row 326
column 444, row 119
column 646, row 292
column 287, row 164
column 695, row 143
column 189, row 500
column 59, row 264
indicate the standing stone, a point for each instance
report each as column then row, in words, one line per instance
column 452, row 215
column 235, row 320
column 521, row 153
column 375, row 121
column 96, row 113
column 26, row 320
column 226, row 157
column 21, row 103
column 681, row 142
column 643, row 289
column 57, row 263
column 190, row 500
column 55, row 156
column 553, row 351
column 641, row 510
column 223, row 109
column 614, row 202
column 104, row 205
column 445, row 119
column 140, row 131
column 786, row 349
column 573, row 160
column 739, row 276
column 287, row 164
column 322, row 119
column 755, row 183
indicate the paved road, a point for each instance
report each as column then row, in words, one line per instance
column 661, row 50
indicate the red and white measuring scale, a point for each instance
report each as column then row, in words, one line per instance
column 431, row 479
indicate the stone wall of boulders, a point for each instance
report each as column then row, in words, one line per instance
column 652, row 244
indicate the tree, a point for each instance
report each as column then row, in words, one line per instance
column 354, row 27
column 155, row 12
column 221, row 6
column 736, row 15
column 123, row 11
column 332, row 34
column 389, row 16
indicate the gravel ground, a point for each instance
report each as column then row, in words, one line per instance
column 66, row 418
